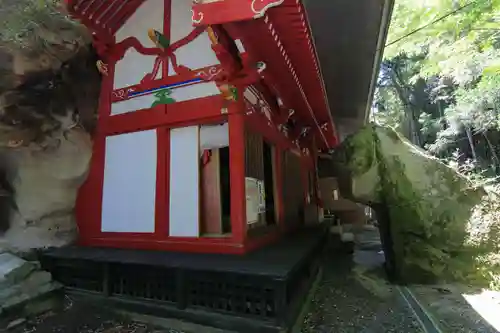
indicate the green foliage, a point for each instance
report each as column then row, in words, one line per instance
column 440, row 85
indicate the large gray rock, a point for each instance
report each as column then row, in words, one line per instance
column 45, row 184
column 441, row 225
column 49, row 88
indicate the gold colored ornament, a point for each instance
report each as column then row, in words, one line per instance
column 102, row 67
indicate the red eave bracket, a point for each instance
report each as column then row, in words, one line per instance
column 225, row 11
column 283, row 41
column 102, row 18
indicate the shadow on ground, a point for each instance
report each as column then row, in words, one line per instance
column 82, row 317
column 352, row 297
column 355, row 297
column 342, row 304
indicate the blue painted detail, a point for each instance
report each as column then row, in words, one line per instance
column 166, row 86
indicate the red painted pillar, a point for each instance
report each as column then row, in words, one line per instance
column 237, row 172
column 89, row 200
column 162, row 183
column 279, row 186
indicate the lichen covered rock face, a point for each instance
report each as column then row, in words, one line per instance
column 49, row 90
column 38, row 35
column 45, row 185
column 434, row 213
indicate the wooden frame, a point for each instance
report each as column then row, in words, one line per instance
column 206, row 110
column 211, row 202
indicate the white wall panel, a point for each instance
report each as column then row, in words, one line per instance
column 184, row 182
column 129, row 191
column 214, row 136
column 131, row 105
column 149, row 15
column 196, row 54
column 195, row 91
column 132, row 68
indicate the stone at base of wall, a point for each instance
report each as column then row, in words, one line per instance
column 21, row 281
column 13, row 270
column 50, row 231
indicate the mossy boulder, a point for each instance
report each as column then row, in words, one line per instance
column 434, row 216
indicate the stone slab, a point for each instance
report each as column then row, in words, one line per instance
column 13, row 269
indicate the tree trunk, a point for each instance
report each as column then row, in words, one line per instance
column 410, row 108
column 494, row 157
column 471, row 143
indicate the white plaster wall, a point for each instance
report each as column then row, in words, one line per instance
column 196, row 54
column 129, row 191
column 184, row 182
column 195, row 91
column 214, row 136
column 131, row 105
column 132, row 68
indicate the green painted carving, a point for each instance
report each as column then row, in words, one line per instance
column 234, row 93
column 163, row 97
column 159, row 39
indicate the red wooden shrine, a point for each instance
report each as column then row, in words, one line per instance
column 210, row 120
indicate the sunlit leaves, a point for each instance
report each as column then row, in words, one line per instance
column 457, row 54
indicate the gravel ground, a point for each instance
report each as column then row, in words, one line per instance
column 347, row 300
column 80, row 317
column 342, row 304
column 449, row 308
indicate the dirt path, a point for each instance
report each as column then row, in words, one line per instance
column 342, row 304
column 349, row 302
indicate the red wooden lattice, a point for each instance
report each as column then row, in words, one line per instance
column 103, row 17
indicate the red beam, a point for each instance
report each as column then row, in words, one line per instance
column 226, row 11
column 197, row 245
column 205, row 74
column 197, row 111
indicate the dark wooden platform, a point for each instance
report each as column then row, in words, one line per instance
column 258, row 292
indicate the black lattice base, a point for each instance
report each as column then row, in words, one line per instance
column 245, row 290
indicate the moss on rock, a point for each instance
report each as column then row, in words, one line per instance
column 434, row 213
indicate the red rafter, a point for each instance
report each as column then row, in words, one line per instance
column 262, row 45
column 293, row 69
column 102, row 17
column 291, row 24
column 218, row 12
column 283, row 40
